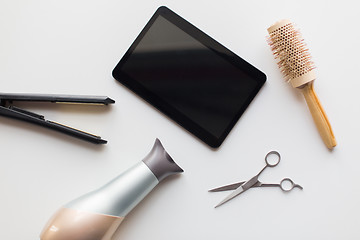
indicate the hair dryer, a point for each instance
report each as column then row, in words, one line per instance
column 97, row 215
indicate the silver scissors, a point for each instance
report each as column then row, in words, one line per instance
column 285, row 185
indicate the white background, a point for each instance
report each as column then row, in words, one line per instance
column 71, row 47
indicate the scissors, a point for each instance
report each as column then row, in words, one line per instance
column 285, row 185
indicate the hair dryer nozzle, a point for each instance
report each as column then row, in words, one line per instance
column 160, row 162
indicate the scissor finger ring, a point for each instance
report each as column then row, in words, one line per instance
column 273, row 160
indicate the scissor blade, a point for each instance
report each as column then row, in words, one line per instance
column 246, row 186
column 227, row 187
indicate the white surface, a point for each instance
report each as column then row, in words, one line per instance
column 71, row 47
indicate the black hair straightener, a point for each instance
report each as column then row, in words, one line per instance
column 8, row 110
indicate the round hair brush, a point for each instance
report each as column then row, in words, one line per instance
column 295, row 63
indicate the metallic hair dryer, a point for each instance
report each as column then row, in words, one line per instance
column 97, row 215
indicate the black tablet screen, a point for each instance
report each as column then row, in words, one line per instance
column 190, row 77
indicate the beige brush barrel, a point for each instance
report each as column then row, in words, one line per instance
column 294, row 58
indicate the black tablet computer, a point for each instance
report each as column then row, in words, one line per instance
column 189, row 76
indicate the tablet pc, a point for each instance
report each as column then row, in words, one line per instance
column 189, row 76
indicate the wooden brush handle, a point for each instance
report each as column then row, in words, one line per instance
column 319, row 115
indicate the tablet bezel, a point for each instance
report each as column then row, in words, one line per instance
column 167, row 109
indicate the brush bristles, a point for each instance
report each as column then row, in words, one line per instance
column 294, row 59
